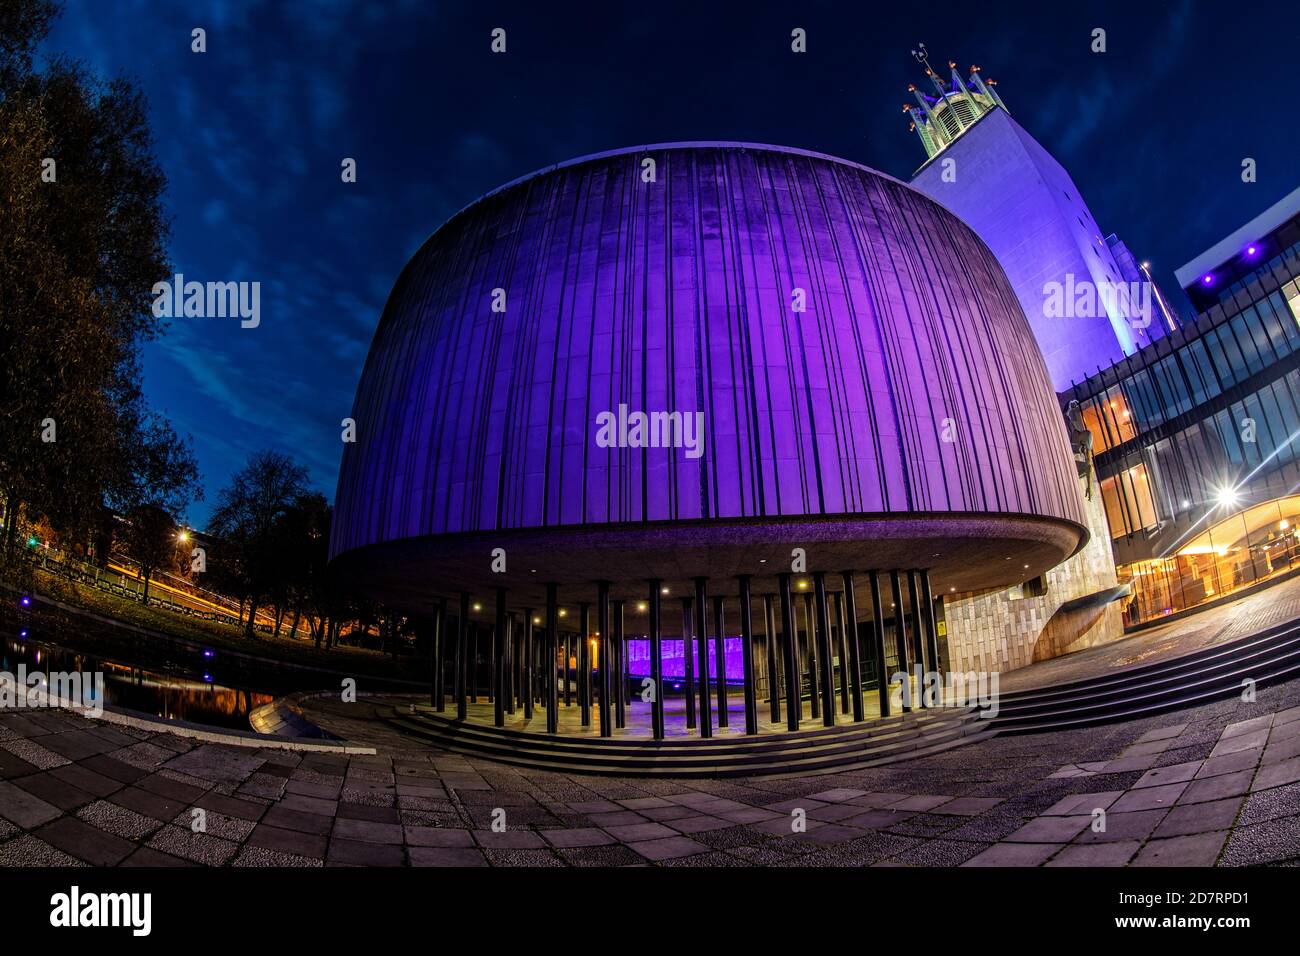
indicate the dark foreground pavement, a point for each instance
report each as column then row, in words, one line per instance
column 1216, row 784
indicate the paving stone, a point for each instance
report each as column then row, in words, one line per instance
column 1178, row 773
column 1117, row 853
column 356, row 853
column 1202, row 849
column 1200, row 818
column 446, row 856
column 1055, row 829
column 85, row 842
column 1274, row 775
column 119, row 821
column 24, row 809
column 1217, row 788
column 288, row 841
column 667, row 848
column 1014, row 854
column 367, row 831
column 1136, row 825
column 1149, row 798
column 200, row 847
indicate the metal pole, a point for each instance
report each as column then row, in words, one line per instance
column 747, row 655
column 793, row 679
column 878, row 643
column 509, row 666
column 824, row 650
column 656, row 661
column 701, row 626
column 773, row 655
column 855, row 649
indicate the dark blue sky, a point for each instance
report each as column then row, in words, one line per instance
column 251, row 135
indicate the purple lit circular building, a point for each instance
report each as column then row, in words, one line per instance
column 691, row 362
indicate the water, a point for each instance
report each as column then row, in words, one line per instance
column 192, row 696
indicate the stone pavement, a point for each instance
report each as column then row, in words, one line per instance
column 1219, row 783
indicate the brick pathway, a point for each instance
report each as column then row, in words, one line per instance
column 1216, row 783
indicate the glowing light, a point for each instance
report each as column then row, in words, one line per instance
column 1227, row 497
column 1207, row 279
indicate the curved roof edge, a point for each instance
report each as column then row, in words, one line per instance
column 649, row 147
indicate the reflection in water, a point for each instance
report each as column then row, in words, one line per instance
column 196, row 698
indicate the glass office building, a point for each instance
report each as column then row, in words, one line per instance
column 1195, row 436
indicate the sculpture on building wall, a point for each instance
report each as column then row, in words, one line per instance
column 1080, row 443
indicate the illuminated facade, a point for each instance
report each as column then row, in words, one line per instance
column 869, row 397
column 1194, row 436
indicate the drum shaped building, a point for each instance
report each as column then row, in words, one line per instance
column 876, row 418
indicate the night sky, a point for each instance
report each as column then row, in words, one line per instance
column 251, row 135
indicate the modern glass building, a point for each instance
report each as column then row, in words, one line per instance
column 1195, row 435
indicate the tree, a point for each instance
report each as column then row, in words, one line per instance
column 249, row 511
column 151, row 540
column 82, row 235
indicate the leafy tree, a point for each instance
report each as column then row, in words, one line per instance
column 82, row 235
column 151, row 540
column 248, row 517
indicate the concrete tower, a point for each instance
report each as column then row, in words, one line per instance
column 983, row 166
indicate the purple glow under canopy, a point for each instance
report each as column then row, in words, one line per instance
column 638, row 658
column 856, row 353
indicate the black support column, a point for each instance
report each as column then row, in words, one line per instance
column 440, row 657
column 814, row 678
column 530, row 662
column 656, row 660
column 747, row 655
column 584, row 662
column 855, row 648
column 824, row 650
column 552, row 698
column 900, row 640
column 602, row 659
column 509, row 665
column 918, row 630
column 793, row 678
column 462, row 652
column 773, row 657
column 841, row 644
column 720, row 658
column 499, row 662
column 878, row 643
column 702, row 669
column 688, row 662
column 931, row 629
column 616, row 661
